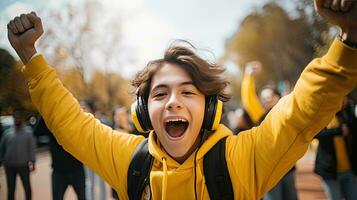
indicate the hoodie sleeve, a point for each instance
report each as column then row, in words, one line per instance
column 105, row 151
column 260, row 157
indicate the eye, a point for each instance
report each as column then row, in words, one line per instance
column 188, row 93
column 159, row 95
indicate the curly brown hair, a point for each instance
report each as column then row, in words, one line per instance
column 207, row 77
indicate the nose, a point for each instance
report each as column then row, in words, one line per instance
column 173, row 102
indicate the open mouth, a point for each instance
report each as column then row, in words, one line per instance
column 176, row 127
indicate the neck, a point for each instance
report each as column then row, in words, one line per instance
column 195, row 145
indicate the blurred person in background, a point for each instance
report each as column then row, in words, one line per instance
column 91, row 177
column 336, row 157
column 17, row 153
column 121, row 122
column 66, row 170
column 1, row 130
column 239, row 120
column 121, row 119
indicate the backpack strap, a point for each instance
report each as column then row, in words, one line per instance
column 217, row 177
column 139, row 170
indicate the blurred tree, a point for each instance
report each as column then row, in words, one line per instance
column 80, row 35
column 7, row 63
column 13, row 86
column 282, row 43
column 323, row 33
column 72, row 80
column 110, row 90
column 83, row 34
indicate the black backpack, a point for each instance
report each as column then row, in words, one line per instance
column 216, row 173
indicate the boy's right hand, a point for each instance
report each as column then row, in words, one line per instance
column 23, row 31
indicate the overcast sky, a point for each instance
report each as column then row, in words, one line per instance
column 206, row 23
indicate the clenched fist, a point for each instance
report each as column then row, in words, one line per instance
column 23, row 31
column 342, row 13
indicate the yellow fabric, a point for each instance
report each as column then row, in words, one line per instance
column 256, row 158
column 250, row 99
column 343, row 163
column 164, row 179
column 334, row 123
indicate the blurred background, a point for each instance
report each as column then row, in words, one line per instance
column 97, row 46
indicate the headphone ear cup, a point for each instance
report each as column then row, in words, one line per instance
column 217, row 115
column 140, row 115
column 135, row 116
column 213, row 113
column 145, row 114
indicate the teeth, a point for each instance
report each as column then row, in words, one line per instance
column 176, row 120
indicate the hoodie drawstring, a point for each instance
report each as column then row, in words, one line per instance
column 202, row 183
column 164, row 179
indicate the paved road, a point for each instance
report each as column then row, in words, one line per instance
column 41, row 182
column 308, row 184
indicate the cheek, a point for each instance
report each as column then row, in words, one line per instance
column 197, row 110
column 154, row 113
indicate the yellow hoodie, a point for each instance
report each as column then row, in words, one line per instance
column 256, row 158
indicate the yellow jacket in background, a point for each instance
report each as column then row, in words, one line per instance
column 250, row 99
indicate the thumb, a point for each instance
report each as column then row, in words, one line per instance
column 36, row 21
column 9, row 31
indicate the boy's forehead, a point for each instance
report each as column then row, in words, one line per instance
column 170, row 75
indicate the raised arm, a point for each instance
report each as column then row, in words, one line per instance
column 271, row 149
column 105, row 151
column 249, row 96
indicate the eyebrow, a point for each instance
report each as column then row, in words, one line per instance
column 166, row 86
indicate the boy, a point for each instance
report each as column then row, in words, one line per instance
column 174, row 92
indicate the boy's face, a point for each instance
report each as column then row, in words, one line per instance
column 176, row 109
